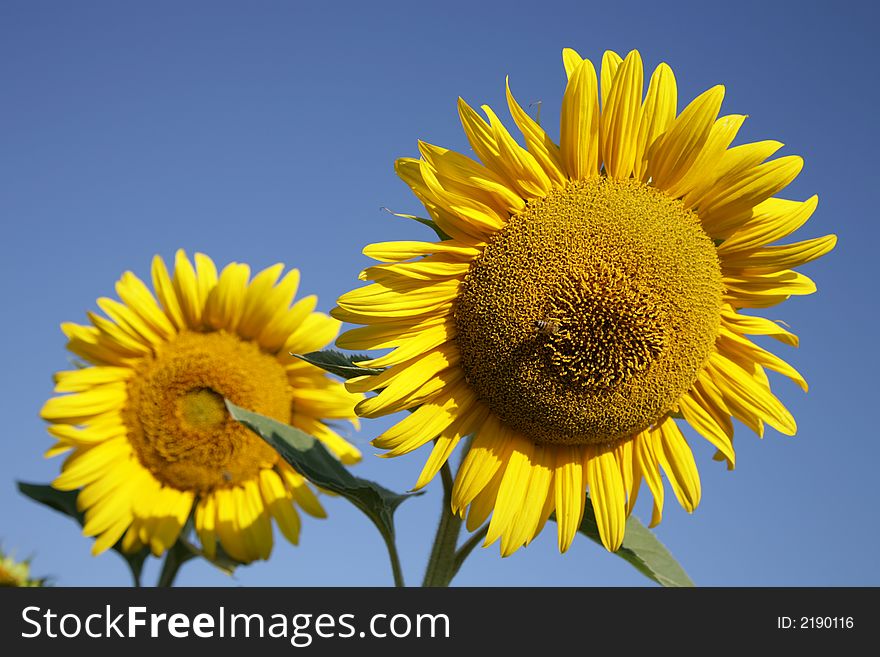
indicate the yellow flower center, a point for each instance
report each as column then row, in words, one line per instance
column 177, row 419
column 591, row 312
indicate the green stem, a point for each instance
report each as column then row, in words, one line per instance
column 468, row 547
column 441, row 566
column 178, row 555
column 396, row 571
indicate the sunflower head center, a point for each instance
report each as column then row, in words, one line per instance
column 590, row 313
column 202, row 409
column 176, row 415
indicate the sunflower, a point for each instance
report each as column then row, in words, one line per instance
column 15, row 573
column 584, row 297
column 151, row 440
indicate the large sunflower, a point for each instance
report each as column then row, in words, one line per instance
column 589, row 294
column 151, row 438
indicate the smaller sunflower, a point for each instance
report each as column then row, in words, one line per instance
column 145, row 422
column 17, row 573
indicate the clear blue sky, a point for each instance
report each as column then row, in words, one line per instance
column 266, row 131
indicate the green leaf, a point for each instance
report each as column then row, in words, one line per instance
column 65, row 502
column 430, row 223
column 311, row 459
column 339, row 364
column 642, row 549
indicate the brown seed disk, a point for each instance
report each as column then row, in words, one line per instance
column 590, row 313
column 177, row 420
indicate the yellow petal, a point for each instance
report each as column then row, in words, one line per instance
column 623, row 454
column 775, row 258
column 607, row 495
column 314, row 332
column 465, row 423
column 658, row 113
column 88, row 377
column 130, row 322
column 765, row 290
column 703, row 169
column 226, row 525
column 406, row 250
column 280, row 504
column 770, row 220
column 426, row 422
column 108, row 483
column 611, row 62
column 750, row 325
column 301, row 491
column 699, row 414
column 489, row 451
column 678, row 462
column 484, row 503
column 463, row 176
column 388, row 334
column 405, row 396
column 344, row 451
column 514, row 485
column 186, row 289
column 319, row 396
column 429, row 338
column 645, row 455
column 263, row 299
column 400, row 300
column 570, row 60
column 56, row 449
column 205, row 523
column 673, row 155
column 139, row 299
column 579, row 124
column 166, row 294
column 745, row 191
column 734, row 162
column 737, row 386
column 530, row 514
column 570, row 493
column 225, row 301
column 482, row 220
column 727, row 404
column 741, row 349
column 87, row 343
column 206, row 276
column 111, row 535
column 621, row 113
column 95, row 431
column 282, row 328
column 105, row 512
column 410, row 171
column 409, row 374
column 483, row 139
column 81, row 406
column 522, row 168
column 116, row 338
column 538, row 142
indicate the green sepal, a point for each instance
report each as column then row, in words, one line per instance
column 342, row 365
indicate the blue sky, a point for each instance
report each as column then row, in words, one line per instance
column 266, row 132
